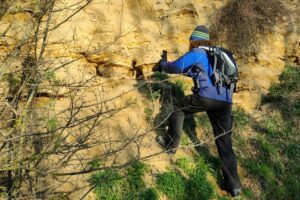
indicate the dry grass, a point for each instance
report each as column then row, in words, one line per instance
column 242, row 24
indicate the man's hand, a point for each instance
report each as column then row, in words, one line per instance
column 157, row 67
column 164, row 58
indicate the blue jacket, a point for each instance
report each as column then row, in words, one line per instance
column 185, row 64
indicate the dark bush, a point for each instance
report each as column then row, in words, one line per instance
column 242, row 24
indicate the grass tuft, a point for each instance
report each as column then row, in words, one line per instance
column 130, row 185
column 186, row 164
column 172, row 185
column 198, row 186
column 107, row 184
column 240, row 120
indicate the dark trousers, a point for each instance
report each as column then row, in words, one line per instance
column 219, row 113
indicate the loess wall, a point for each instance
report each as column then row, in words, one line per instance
column 102, row 40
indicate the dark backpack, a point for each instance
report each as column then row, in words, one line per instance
column 225, row 69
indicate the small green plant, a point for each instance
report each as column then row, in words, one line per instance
column 271, row 126
column 265, row 173
column 186, row 164
column 203, row 121
column 107, row 184
column 240, row 120
column 184, row 140
column 198, row 186
column 135, row 185
column 149, row 113
column 268, row 150
column 51, row 77
column 248, row 193
column 289, row 81
column 95, row 163
column 223, row 198
column 293, row 151
column 149, row 194
column 172, row 185
column 160, row 76
column 135, row 175
column 52, row 124
column 154, row 95
column 129, row 185
column 181, row 84
column 178, row 89
column 14, row 80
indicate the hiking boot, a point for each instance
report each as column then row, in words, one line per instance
column 163, row 143
column 235, row 192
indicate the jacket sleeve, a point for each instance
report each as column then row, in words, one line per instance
column 183, row 64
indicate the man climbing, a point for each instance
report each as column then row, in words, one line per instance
column 213, row 97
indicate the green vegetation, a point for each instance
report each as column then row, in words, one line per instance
column 172, row 184
column 135, row 180
column 148, row 112
column 289, row 82
column 198, row 187
column 95, row 163
column 14, row 80
column 160, row 76
column 202, row 121
column 186, row 164
column 248, row 193
column 52, row 124
column 154, row 95
column 51, row 77
column 112, row 185
column 107, row 184
column 240, row 120
column 195, row 186
column 180, row 87
column 276, row 165
column 223, row 198
column 184, row 141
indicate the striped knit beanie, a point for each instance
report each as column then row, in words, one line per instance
column 200, row 33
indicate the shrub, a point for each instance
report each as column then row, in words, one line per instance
column 241, row 24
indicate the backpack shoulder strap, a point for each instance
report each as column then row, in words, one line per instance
column 211, row 51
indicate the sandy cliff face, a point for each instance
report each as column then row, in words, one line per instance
column 103, row 39
column 122, row 31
